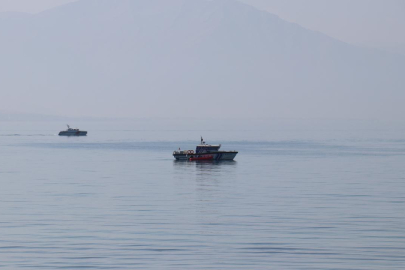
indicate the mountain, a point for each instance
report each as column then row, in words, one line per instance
column 220, row 58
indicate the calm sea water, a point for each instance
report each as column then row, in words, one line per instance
column 296, row 197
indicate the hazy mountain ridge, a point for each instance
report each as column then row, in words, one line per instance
column 14, row 15
column 160, row 57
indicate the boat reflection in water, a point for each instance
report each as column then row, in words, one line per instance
column 210, row 168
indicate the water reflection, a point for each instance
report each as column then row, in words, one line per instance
column 205, row 167
column 204, row 163
column 205, row 173
column 213, row 182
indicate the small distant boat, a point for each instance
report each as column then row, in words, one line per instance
column 72, row 132
column 204, row 152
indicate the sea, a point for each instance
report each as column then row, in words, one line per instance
column 301, row 194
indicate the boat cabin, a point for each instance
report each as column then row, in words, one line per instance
column 206, row 148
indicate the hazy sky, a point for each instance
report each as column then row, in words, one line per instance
column 379, row 23
column 31, row 6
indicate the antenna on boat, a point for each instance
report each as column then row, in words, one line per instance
column 68, row 126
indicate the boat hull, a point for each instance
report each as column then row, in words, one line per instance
column 76, row 133
column 217, row 156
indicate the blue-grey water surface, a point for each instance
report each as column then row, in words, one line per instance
column 294, row 198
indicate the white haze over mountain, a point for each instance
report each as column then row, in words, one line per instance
column 152, row 58
column 370, row 23
column 30, row 6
